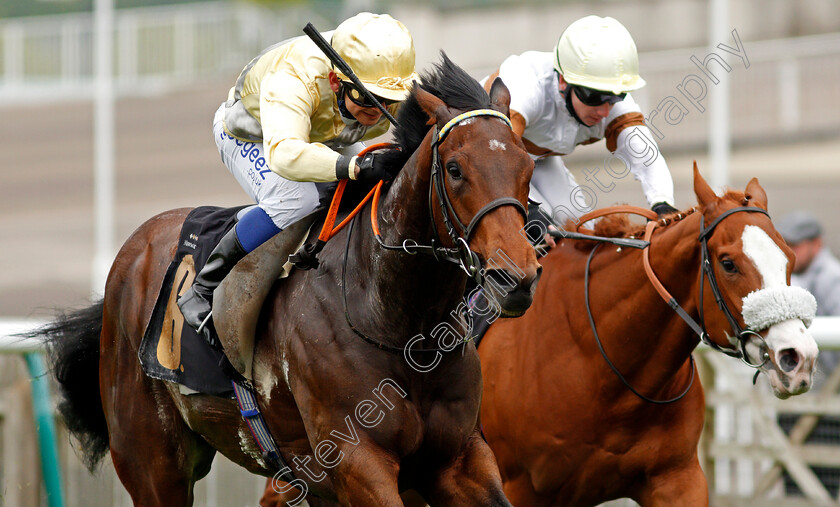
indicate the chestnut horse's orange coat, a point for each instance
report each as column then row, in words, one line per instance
column 564, row 428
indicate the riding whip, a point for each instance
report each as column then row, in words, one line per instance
column 345, row 69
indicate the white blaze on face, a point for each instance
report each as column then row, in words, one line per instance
column 497, row 145
column 768, row 258
column 788, row 337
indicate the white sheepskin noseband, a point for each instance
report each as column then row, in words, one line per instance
column 772, row 305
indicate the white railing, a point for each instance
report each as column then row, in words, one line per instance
column 747, row 450
column 226, row 484
column 788, row 90
column 49, row 58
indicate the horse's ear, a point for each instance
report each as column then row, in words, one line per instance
column 705, row 195
column 756, row 193
column 434, row 107
column 500, row 97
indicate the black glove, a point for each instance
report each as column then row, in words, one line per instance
column 663, row 208
column 372, row 168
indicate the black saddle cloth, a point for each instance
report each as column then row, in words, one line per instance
column 181, row 355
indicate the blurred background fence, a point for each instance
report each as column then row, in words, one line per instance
column 784, row 90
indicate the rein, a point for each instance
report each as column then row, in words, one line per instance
column 376, row 343
column 460, row 253
column 607, row 359
column 743, row 335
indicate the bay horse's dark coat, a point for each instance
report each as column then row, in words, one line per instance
column 357, row 424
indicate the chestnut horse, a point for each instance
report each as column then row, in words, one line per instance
column 358, row 413
column 560, row 413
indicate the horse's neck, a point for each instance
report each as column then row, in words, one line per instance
column 664, row 339
column 675, row 259
column 417, row 291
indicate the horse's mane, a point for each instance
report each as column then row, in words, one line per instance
column 620, row 226
column 448, row 82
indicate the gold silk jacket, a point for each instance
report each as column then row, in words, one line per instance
column 283, row 98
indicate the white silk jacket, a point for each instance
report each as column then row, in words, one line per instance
column 549, row 128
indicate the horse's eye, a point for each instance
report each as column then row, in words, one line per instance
column 728, row 265
column 454, row 171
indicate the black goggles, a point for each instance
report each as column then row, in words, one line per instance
column 360, row 99
column 592, row 98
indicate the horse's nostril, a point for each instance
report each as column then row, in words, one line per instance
column 788, row 360
column 502, row 279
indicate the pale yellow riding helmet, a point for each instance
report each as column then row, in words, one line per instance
column 380, row 51
column 598, row 53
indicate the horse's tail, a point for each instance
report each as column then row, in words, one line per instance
column 72, row 343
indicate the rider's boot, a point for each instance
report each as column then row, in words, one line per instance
column 253, row 229
column 195, row 302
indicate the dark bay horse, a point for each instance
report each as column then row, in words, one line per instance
column 358, row 420
column 565, row 429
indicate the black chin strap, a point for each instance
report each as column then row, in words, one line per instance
column 567, row 94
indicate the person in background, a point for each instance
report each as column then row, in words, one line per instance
column 291, row 120
column 817, row 270
column 579, row 94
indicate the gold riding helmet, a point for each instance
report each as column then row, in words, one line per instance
column 598, row 53
column 380, row 51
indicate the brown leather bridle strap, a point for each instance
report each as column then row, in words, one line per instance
column 663, row 292
column 698, row 328
column 612, row 210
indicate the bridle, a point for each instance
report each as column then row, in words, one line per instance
column 743, row 335
column 460, row 254
column 459, row 234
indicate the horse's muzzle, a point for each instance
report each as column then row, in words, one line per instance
column 793, row 357
column 514, row 292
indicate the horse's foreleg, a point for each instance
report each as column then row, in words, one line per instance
column 683, row 486
column 278, row 494
column 472, row 479
column 367, row 477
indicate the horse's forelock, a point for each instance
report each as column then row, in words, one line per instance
column 448, row 82
column 454, row 86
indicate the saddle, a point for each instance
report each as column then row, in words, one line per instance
column 172, row 350
column 239, row 298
